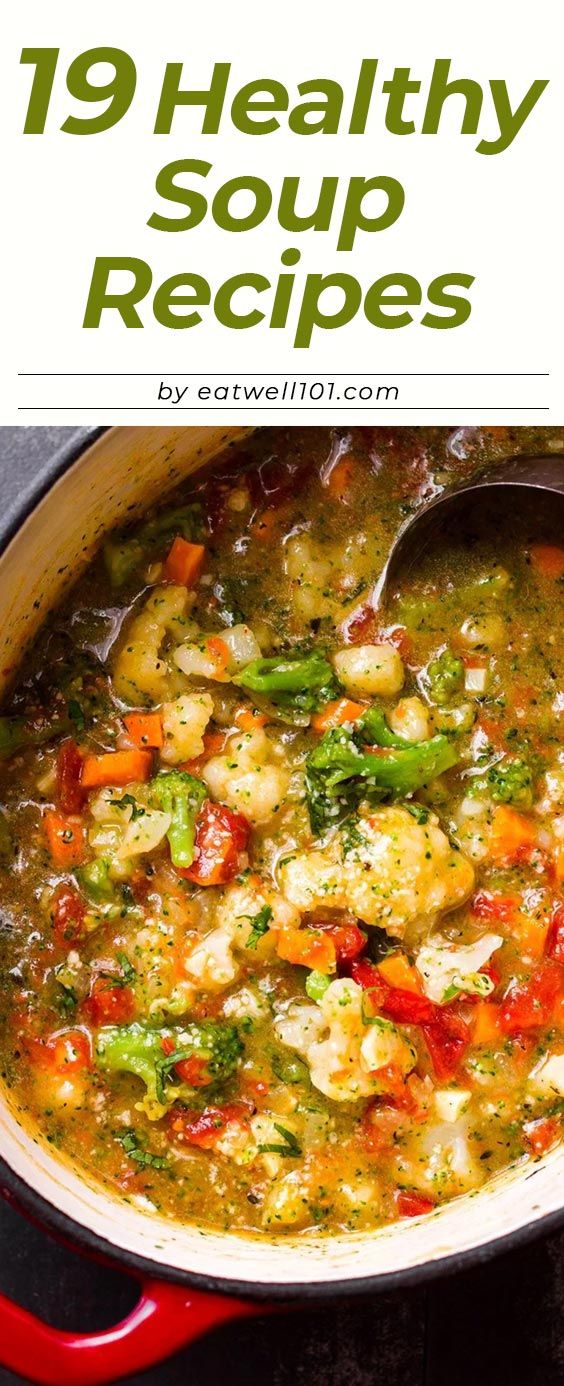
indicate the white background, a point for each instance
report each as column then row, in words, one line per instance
column 68, row 199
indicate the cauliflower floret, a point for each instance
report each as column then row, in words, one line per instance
column 322, row 573
column 395, row 871
column 451, row 1103
column 118, row 833
column 140, row 673
column 451, row 1168
column 311, row 570
column 553, row 796
column 290, row 1197
column 246, row 1003
column 473, row 823
column 184, row 723
column 483, row 632
column 440, row 1160
column 211, row 963
column 154, row 950
column 143, row 834
column 248, row 776
column 341, row 1050
column 410, row 719
column 240, row 906
column 248, row 918
column 369, row 670
column 547, row 1078
column 445, row 966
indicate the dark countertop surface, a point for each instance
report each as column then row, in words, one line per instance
column 493, row 1324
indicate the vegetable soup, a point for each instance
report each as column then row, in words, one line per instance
column 282, row 929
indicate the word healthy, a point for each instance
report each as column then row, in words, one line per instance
column 405, row 105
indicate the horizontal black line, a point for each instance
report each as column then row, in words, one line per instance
column 291, row 375
column 285, row 408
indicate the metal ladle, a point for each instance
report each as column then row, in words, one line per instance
column 535, row 477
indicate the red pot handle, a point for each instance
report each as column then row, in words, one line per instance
column 165, row 1318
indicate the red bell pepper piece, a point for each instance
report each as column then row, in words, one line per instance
column 554, row 946
column 204, row 1129
column 371, row 980
column 68, row 912
column 493, row 905
column 529, row 1005
column 446, row 1034
column 67, row 1051
column 348, row 939
column 412, row 1205
column 193, row 1070
column 447, row 1039
column 540, row 1135
column 110, row 1004
column 70, row 793
column 405, row 1007
column 221, row 836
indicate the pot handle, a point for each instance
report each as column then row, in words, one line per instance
column 166, row 1317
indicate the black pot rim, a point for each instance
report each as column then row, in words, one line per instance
column 64, row 1227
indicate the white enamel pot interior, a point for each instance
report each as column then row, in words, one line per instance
column 76, row 500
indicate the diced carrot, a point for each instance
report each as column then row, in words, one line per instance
column 334, row 714
column 184, row 562
column 116, row 768
column 559, row 864
column 530, row 931
column 254, row 881
column 247, row 718
column 338, row 479
column 213, row 744
column 513, row 836
column 264, row 523
column 220, row 653
column 144, row 729
column 548, row 560
column 541, row 1134
column 307, row 948
column 492, row 731
column 398, row 972
column 485, row 1025
column 66, row 838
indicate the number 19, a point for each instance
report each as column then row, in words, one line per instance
column 118, row 91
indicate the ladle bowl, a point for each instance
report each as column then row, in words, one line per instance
column 540, row 476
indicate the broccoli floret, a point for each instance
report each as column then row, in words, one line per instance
column 509, row 781
column 124, row 552
column 16, row 733
column 153, row 1054
column 182, row 795
column 373, row 730
column 446, row 676
column 94, row 879
column 339, row 774
column 302, row 684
